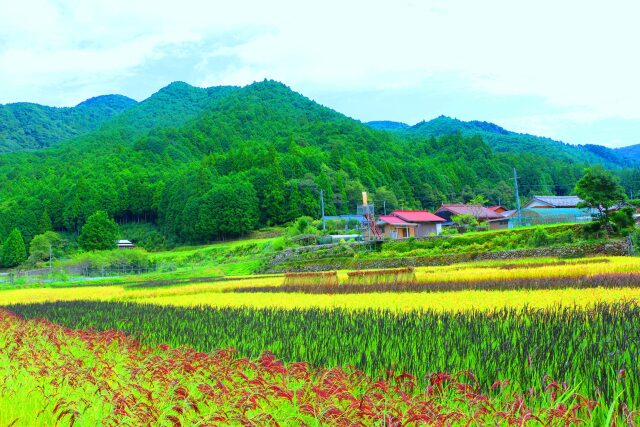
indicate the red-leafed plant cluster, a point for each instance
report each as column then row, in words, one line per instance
column 87, row 378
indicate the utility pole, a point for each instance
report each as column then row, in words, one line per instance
column 50, row 268
column 515, row 183
column 384, row 204
column 322, row 207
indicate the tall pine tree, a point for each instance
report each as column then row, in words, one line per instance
column 14, row 251
column 44, row 224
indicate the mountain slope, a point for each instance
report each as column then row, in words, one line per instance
column 387, row 125
column 204, row 164
column 171, row 106
column 33, row 126
column 630, row 152
column 502, row 140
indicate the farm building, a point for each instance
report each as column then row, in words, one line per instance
column 552, row 202
column 535, row 216
column 426, row 223
column 125, row 244
column 499, row 209
column 392, row 227
column 494, row 220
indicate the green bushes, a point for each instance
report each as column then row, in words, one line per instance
column 484, row 242
column 115, row 260
column 144, row 235
column 540, row 238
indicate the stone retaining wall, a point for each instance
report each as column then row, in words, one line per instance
column 611, row 248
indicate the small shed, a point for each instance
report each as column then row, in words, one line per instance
column 125, row 244
column 393, row 227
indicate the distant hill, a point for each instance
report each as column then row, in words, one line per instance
column 209, row 163
column 387, row 125
column 630, row 152
column 32, row 126
column 505, row 141
column 171, row 106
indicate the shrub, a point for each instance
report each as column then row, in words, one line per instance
column 540, row 238
column 593, row 229
column 623, row 221
column 124, row 260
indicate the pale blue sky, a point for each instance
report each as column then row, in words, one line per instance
column 563, row 69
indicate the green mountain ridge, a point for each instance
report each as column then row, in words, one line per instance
column 205, row 164
column 630, row 151
column 27, row 126
column 502, row 140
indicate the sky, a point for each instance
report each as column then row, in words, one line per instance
column 563, row 69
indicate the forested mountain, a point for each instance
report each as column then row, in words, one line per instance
column 388, row 125
column 502, row 140
column 32, row 126
column 203, row 164
column 631, row 152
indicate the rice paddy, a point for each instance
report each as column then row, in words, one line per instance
column 589, row 349
column 481, row 286
column 557, row 338
column 87, row 378
column 389, row 277
column 323, row 278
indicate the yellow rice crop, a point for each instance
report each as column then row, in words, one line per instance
column 441, row 301
column 211, row 293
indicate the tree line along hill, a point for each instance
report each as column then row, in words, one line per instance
column 205, row 164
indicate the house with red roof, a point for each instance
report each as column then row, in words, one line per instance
column 498, row 208
column 427, row 224
column 494, row 220
column 392, row 227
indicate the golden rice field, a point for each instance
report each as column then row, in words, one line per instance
column 211, row 294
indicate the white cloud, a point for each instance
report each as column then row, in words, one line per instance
column 579, row 56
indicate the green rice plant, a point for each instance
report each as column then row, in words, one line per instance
column 596, row 350
column 387, row 277
column 320, row 278
column 88, row 378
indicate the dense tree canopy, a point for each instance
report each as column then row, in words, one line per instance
column 99, row 233
column 600, row 190
column 45, row 245
column 209, row 164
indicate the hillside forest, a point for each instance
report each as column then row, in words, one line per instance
column 201, row 165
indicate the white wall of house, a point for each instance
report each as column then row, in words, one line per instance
column 425, row 229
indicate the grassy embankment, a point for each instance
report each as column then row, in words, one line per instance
column 246, row 257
